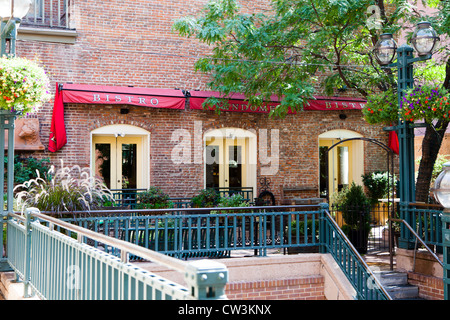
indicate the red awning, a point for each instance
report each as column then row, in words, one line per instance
column 237, row 103
column 145, row 97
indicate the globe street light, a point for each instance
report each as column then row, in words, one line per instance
column 11, row 13
column 424, row 41
column 441, row 188
column 424, row 38
column 385, row 49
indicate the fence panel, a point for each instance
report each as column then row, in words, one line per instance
column 428, row 225
column 103, row 276
column 212, row 234
column 60, row 266
column 347, row 257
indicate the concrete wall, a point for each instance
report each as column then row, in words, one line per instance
column 423, row 271
column 278, row 277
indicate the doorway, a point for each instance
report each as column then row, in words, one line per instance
column 225, row 163
column 120, row 157
column 342, row 165
column 230, row 159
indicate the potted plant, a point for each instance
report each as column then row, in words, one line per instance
column 153, row 198
column 379, row 185
column 427, row 103
column 206, row 198
column 235, row 200
column 337, row 199
column 356, row 213
column 228, row 201
column 156, row 198
column 376, row 184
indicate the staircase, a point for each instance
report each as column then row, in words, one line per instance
column 396, row 284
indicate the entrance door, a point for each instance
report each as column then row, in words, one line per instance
column 340, row 166
column 345, row 161
column 226, row 163
column 118, row 160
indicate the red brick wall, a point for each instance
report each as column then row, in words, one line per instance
column 299, row 163
column 430, row 288
column 306, row 288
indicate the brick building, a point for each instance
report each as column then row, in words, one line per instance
column 131, row 108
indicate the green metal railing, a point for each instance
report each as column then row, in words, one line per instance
column 127, row 197
column 92, row 252
column 335, row 242
column 427, row 222
column 56, row 266
column 210, row 232
column 191, row 233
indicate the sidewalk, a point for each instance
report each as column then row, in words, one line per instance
column 10, row 290
column 379, row 259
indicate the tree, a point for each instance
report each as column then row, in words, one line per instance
column 296, row 46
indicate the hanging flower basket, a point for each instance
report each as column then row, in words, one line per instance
column 24, row 86
column 381, row 108
column 426, row 103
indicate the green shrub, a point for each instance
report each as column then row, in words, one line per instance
column 338, row 198
column 153, row 198
column 206, row 198
column 235, row 200
column 26, row 168
column 309, row 227
column 356, row 208
column 377, row 185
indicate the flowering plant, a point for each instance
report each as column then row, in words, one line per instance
column 426, row 103
column 381, row 108
column 24, row 85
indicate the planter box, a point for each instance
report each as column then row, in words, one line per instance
column 359, row 239
column 303, row 248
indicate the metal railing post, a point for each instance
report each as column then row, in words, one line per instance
column 28, row 234
column 322, row 232
column 206, row 279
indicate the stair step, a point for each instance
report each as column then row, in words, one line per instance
column 396, row 284
column 401, row 292
column 391, row 278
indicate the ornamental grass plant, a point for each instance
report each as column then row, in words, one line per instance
column 66, row 189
